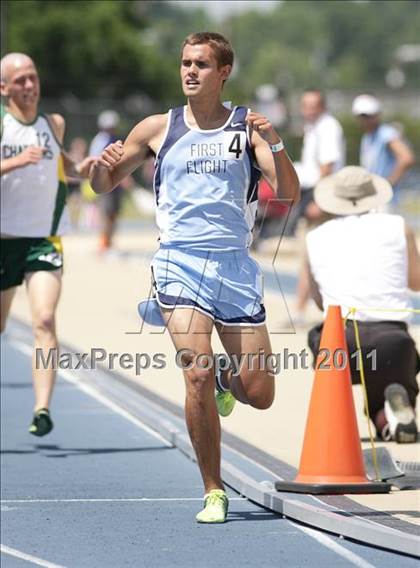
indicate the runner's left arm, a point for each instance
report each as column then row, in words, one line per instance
column 276, row 167
column 80, row 170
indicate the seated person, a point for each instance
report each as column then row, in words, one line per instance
column 366, row 260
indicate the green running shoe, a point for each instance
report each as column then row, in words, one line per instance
column 41, row 423
column 225, row 402
column 216, row 504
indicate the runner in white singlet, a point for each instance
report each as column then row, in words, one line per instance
column 33, row 214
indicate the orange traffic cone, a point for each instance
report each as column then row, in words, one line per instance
column 331, row 460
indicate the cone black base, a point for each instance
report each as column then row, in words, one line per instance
column 332, row 488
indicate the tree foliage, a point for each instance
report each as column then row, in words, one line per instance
column 334, row 44
column 119, row 48
column 88, row 48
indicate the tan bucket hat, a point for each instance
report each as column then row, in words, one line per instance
column 352, row 190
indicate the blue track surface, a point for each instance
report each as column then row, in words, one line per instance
column 147, row 495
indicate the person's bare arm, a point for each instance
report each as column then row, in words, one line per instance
column 276, row 167
column 326, row 169
column 119, row 160
column 404, row 159
column 313, row 212
column 413, row 260
column 313, row 285
column 31, row 155
column 58, row 126
column 80, row 170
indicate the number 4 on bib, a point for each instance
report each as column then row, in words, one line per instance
column 234, row 145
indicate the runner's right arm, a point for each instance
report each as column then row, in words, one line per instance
column 31, row 155
column 119, row 160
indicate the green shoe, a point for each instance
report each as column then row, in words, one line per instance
column 216, row 504
column 41, row 423
column 225, row 402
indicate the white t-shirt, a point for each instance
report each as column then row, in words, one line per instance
column 323, row 143
column 361, row 261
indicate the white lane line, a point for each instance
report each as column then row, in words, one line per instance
column 33, row 559
column 92, row 392
column 122, row 500
column 328, row 542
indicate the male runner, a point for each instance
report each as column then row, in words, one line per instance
column 208, row 160
column 33, row 213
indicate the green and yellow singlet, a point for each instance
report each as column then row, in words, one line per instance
column 33, row 198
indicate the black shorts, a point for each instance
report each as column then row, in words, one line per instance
column 389, row 356
column 26, row 254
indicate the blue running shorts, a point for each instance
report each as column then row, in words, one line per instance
column 225, row 285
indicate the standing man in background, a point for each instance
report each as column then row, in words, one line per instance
column 33, row 214
column 323, row 153
column 382, row 151
column 77, row 152
column 109, row 205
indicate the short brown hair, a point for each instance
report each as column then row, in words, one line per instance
column 320, row 94
column 220, row 45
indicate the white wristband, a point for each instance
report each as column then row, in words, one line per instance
column 277, row 147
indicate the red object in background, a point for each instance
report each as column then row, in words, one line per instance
column 269, row 202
